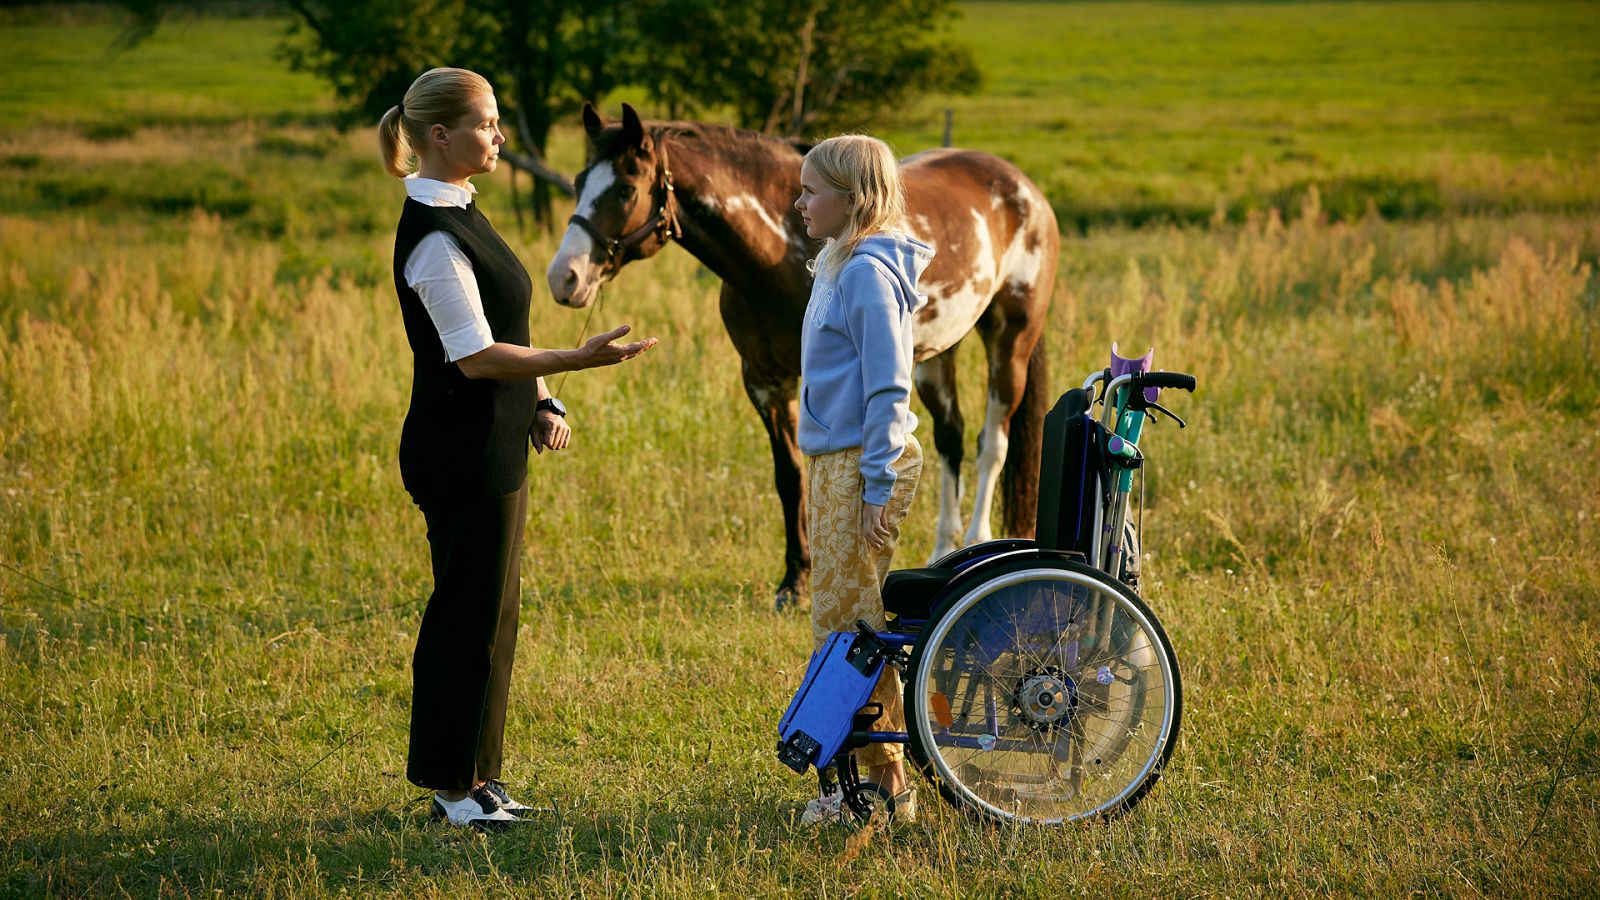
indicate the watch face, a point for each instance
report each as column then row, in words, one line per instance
column 555, row 405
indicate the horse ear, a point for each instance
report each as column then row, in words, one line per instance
column 592, row 123
column 632, row 128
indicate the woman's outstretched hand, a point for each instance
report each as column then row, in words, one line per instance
column 603, row 349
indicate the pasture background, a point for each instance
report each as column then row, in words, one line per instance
column 1371, row 230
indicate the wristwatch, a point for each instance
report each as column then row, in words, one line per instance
column 551, row 404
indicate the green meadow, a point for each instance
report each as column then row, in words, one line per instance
column 1370, row 229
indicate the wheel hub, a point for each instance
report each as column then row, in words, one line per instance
column 1045, row 699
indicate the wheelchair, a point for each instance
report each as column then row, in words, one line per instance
column 1039, row 687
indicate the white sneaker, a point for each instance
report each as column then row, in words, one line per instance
column 477, row 810
column 903, row 808
column 824, row 809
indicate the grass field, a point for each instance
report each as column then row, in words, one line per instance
column 1376, row 546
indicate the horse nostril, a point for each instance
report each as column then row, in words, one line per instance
column 571, row 282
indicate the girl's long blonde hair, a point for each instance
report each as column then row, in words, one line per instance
column 438, row 96
column 866, row 167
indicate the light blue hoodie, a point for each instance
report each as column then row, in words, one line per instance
column 855, row 358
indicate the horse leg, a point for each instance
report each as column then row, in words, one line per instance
column 1009, row 340
column 936, row 385
column 774, row 400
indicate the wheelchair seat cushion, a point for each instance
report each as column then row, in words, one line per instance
column 909, row 593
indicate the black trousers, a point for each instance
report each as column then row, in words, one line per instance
column 461, row 671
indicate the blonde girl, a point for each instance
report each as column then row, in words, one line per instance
column 863, row 461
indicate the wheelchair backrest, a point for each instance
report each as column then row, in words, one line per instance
column 1070, row 458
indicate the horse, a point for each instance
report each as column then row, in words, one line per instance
column 727, row 197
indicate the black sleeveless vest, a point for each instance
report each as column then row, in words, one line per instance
column 463, row 437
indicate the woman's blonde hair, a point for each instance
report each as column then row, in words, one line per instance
column 438, row 96
column 864, row 166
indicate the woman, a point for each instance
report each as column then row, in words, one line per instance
column 477, row 395
column 855, row 419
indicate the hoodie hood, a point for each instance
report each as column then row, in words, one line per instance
column 905, row 258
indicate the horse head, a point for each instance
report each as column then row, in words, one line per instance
column 626, row 208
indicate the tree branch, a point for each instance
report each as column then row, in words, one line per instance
column 797, row 114
column 534, row 164
column 311, row 20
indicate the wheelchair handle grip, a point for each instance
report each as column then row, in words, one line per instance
column 1182, row 381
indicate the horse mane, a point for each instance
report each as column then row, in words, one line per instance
column 609, row 142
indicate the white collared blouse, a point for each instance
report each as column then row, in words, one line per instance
column 442, row 275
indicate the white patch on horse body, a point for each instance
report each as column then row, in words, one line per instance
column 991, row 458
column 745, row 201
column 945, row 320
column 1020, row 264
column 952, row 310
column 760, row 395
column 572, row 257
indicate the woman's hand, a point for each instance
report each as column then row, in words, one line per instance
column 874, row 525
column 601, row 350
column 550, row 430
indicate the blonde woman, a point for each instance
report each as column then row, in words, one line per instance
column 477, row 395
column 863, row 462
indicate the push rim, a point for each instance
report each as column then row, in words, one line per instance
column 1102, row 720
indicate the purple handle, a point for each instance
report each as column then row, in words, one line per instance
column 1141, row 364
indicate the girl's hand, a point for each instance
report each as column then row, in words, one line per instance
column 874, row 525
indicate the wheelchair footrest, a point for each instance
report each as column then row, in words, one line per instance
column 838, row 683
column 798, row 751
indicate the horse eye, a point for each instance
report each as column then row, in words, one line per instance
column 625, row 192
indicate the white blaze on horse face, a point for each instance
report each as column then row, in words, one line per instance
column 574, row 278
column 991, row 457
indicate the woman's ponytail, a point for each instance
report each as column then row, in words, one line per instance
column 394, row 146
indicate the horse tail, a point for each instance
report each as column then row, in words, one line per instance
column 1019, row 478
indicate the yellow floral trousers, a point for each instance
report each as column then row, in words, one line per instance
column 847, row 573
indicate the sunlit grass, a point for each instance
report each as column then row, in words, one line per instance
column 1375, row 548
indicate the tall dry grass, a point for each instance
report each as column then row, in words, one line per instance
column 1375, row 548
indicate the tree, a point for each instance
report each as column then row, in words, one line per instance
column 781, row 66
column 797, row 67
column 545, row 57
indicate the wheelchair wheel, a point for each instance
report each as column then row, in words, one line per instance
column 1046, row 692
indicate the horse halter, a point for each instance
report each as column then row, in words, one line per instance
column 664, row 225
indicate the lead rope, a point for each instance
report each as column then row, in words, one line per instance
column 583, row 333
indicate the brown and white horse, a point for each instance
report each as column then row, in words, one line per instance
column 728, row 197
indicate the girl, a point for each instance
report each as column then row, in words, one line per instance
column 477, row 395
column 856, row 425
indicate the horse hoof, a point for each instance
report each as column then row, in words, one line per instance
column 787, row 600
